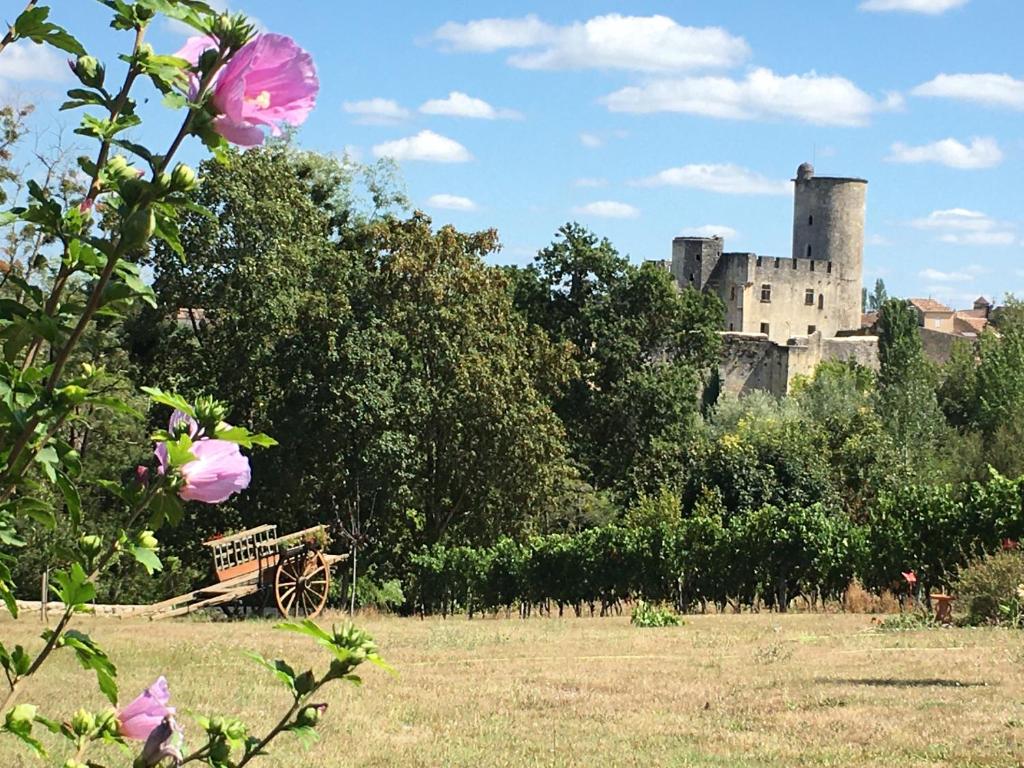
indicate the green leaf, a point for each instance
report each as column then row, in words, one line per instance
column 91, row 656
column 47, row 458
column 167, row 230
column 306, row 627
column 165, row 507
column 149, row 559
column 18, row 722
column 174, row 100
column 6, row 584
column 134, row 148
column 245, row 438
column 166, row 398
column 72, row 498
column 32, row 24
column 280, row 668
column 10, row 309
column 36, row 509
column 73, row 587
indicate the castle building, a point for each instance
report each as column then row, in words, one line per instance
column 783, row 315
column 817, row 288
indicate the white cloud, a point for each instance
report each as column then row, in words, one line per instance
column 937, row 276
column 711, row 230
column 725, row 179
column 966, row 227
column 28, row 61
column 459, row 104
column 985, row 88
column 931, row 7
column 762, row 94
column 981, row 238
column 591, row 182
column 591, row 141
column 608, row 209
column 488, row 35
column 426, row 146
column 376, row 111
column 451, row 202
column 981, row 153
column 613, row 41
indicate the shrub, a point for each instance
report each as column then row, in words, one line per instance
column 987, row 584
column 911, row 621
column 647, row 615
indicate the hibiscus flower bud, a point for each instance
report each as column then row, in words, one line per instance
column 90, row 545
column 163, row 181
column 183, row 178
column 82, row 722
column 72, row 763
column 20, row 718
column 236, row 729
column 304, row 683
column 89, row 70
column 216, row 725
column 138, row 228
column 118, row 168
column 108, row 722
column 310, row 716
column 147, row 540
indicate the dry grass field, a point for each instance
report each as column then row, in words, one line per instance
column 750, row 690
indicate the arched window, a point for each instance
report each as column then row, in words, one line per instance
column 810, row 221
column 808, row 250
column 821, row 301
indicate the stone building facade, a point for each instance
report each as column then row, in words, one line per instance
column 783, row 315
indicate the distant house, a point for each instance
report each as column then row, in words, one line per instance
column 191, row 317
column 941, row 326
column 933, row 315
column 971, row 322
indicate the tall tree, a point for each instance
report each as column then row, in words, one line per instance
column 386, row 358
column 643, row 349
column 878, row 296
column 921, row 442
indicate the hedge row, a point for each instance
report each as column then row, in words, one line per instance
column 767, row 556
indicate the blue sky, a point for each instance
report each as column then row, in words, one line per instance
column 646, row 120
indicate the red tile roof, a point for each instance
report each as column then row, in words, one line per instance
column 930, row 305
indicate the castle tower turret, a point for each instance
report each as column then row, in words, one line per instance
column 694, row 260
column 828, row 225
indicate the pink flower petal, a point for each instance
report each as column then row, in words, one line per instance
column 138, row 719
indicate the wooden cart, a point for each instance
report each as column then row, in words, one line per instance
column 257, row 568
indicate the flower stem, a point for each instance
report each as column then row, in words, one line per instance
column 69, row 610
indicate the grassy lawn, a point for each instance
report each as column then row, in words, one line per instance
column 750, row 690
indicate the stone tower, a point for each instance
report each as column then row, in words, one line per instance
column 828, row 225
column 694, row 260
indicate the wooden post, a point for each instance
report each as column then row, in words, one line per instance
column 355, row 555
column 45, row 595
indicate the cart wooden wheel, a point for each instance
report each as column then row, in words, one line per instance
column 300, row 585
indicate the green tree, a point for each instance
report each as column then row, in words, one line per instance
column 878, row 296
column 408, row 394
column 919, row 443
column 643, row 349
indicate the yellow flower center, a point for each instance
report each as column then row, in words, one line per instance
column 262, row 101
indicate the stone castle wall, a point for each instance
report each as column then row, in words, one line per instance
column 791, row 284
column 751, row 362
